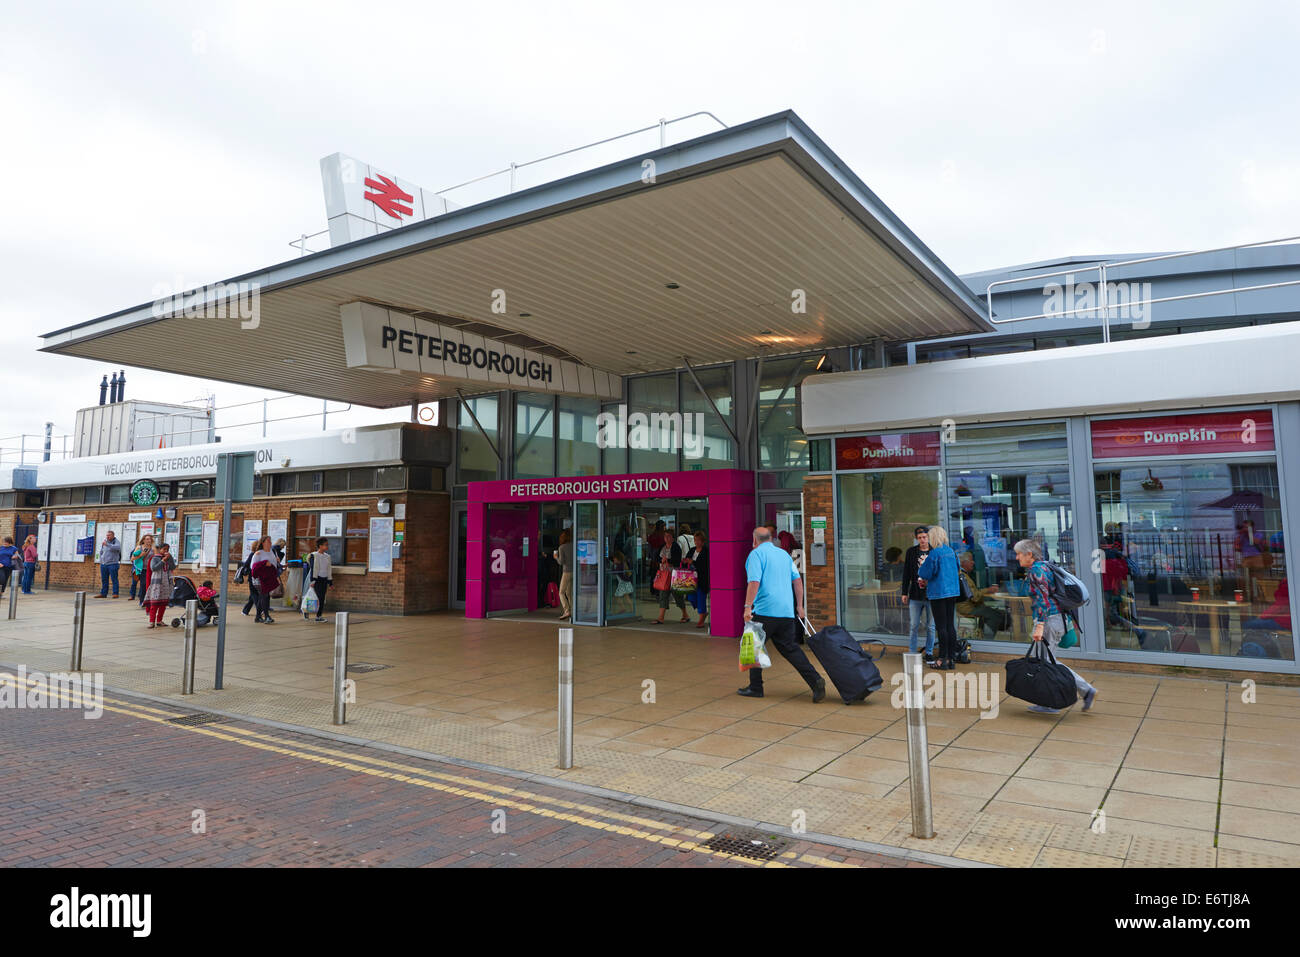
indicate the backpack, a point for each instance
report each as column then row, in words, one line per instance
column 1068, row 591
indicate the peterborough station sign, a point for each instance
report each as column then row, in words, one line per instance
column 375, row 337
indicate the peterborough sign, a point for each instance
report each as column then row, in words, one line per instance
column 387, row 340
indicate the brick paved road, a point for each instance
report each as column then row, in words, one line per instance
column 122, row 791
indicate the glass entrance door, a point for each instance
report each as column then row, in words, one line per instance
column 624, row 549
column 508, row 580
column 588, row 573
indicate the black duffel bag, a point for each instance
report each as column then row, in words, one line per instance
column 1040, row 679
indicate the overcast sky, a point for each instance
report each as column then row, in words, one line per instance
column 152, row 143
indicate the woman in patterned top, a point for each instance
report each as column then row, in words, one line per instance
column 1048, row 620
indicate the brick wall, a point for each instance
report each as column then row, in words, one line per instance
column 819, row 499
column 418, row 582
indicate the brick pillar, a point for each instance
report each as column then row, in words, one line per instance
column 819, row 586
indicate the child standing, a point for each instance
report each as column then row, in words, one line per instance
column 319, row 576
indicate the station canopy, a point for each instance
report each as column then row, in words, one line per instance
column 703, row 250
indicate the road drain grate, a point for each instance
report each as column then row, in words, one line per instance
column 758, row 847
column 201, row 717
column 362, row 667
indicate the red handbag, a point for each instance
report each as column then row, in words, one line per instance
column 663, row 579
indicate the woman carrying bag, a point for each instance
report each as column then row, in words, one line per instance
column 670, row 557
column 1049, row 622
column 938, row 575
column 698, row 559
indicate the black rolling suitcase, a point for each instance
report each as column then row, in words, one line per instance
column 851, row 670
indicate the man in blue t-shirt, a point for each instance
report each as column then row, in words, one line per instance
column 774, row 599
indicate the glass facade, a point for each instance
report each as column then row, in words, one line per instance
column 576, row 451
column 1186, row 528
column 475, row 460
column 1193, row 559
column 706, row 442
column 534, row 435
column 651, row 448
column 877, row 514
column 781, row 443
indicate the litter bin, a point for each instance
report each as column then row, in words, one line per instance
column 293, row 583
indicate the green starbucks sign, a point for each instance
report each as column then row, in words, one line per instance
column 145, row 492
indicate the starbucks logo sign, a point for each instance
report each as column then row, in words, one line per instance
column 145, row 492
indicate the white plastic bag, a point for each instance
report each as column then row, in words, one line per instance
column 753, row 650
column 310, row 602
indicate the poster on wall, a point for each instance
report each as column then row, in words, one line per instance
column 147, row 528
column 128, row 541
column 172, row 536
column 208, row 551
column 63, row 542
column 381, row 544
column 995, row 551
column 252, row 535
column 103, row 529
column 277, row 528
column 331, row 524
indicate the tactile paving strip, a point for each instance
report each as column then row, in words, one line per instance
column 1061, row 857
column 1071, row 837
column 1156, row 853
column 996, row 850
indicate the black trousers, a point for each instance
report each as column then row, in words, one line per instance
column 322, row 585
column 4, row 578
column 263, row 599
column 945, row 625
column 780, row 634
column 252, row 597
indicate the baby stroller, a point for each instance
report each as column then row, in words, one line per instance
column 183, row 590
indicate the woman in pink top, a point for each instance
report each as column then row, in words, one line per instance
column 29, row 564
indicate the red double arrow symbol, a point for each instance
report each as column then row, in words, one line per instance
column 390, row 197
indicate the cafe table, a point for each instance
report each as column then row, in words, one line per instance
column 1018, row 606
column 1212, row 607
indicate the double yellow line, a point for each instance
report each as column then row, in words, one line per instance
column 499, row 796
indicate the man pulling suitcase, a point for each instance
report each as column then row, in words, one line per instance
column 774, row 598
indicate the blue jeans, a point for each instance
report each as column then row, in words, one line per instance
column 107, row 573
column 29, row 572
column 916, row 607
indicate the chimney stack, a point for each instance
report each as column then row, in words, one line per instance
column 103, row 390
column 112, row 390
column 121, row 386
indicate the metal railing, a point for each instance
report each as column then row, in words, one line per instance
column 1103, row 308
column 513, row 169
column 265, row 419
column 17, row 450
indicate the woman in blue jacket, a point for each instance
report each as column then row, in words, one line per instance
column 939, row 577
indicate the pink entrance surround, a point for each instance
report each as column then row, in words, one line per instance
column 730, row 495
